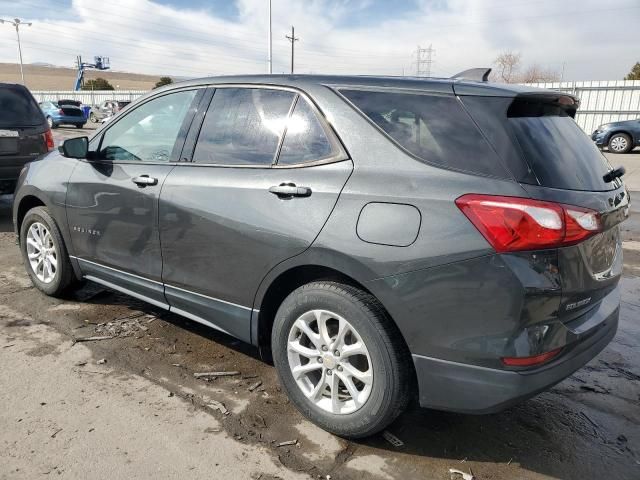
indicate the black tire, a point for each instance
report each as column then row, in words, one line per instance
column 51, row 123
column 620, row 143
column 93, row 118
column 392, row 385
column 79, row 125
column 64, row 276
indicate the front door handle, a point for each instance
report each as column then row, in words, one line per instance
column 144, row 181
column 290, row 190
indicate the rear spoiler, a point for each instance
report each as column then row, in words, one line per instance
column 474, row 74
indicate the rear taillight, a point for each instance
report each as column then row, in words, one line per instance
column 512, row 224
column 530, row 361
column 48, row 140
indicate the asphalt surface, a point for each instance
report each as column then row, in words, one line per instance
column 142, row 414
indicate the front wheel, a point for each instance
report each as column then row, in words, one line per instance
column 93, row 118
column 620, row 143
column 51, row 123
column 79, row 125
column 341, row 359
column 44, row 253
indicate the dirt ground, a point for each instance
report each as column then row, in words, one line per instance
column 129, row 406
column 40, row 77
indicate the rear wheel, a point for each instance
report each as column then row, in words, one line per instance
column 51, row 123
column 93, row 118
column 79, row 125
column 44, row 253
column 620, row 143
column 341, row 359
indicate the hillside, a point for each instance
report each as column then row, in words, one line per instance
column 42, row 77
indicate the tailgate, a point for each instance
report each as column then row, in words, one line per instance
column 591, row 269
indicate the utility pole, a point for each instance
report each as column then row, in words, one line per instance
column 17, row 23
column 270, row 59
column 424, row 60
column 293, row 40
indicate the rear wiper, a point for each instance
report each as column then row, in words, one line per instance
column 613, row 174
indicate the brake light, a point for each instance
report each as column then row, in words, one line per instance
column 512, row 224
column 48, row 140
column 530, row 361
column 61, row 112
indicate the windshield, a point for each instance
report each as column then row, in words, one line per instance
column 18, row 108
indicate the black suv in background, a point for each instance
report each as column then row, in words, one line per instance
column 24, row 133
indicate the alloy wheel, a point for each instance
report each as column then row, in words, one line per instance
column 330, row 362
column 618, row 144
column 41, row 252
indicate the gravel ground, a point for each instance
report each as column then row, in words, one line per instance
column 141, row 412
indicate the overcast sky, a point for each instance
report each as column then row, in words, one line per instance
column 594, row 39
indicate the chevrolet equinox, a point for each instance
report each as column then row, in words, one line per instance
column 381, row 239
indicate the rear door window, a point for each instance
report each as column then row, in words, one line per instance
column 18, row 108
column 434, row 128
column 305, row 139
column 243, row 126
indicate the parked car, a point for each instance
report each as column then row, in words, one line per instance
column 63, row 112
column 618, row 137
column 106, row 109
column 24, row 133
column 380, row 238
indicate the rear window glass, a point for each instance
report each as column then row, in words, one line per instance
column 540, row 142
column 560, row 153
column 18, row 108
column 434, row 128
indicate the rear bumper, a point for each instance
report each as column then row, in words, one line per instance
column 70, row 120
column 458, row 387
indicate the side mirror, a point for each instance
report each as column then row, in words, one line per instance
column 75, row 147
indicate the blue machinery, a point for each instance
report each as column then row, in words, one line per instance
column 99, row 63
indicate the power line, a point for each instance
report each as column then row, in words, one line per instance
column 293, row 39
column 424, row 61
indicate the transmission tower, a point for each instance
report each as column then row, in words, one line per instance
column 424, row 60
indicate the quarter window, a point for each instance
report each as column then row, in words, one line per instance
column 305, row 139
column 434, row 128
column 149, row 132
column 243, row 126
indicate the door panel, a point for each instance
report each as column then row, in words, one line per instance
column 112, row 200
column 222, row 230
column 113, row 221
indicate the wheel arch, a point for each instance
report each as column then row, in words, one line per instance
column 26, row 203
column 281, row 281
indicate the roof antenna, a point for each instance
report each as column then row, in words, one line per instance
column 474, row 74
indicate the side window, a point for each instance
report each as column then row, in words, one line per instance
column 305, row 139
column 149, row 132
column 434, row 128
column 243, row 126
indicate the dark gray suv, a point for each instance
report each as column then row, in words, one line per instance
column 380, row 238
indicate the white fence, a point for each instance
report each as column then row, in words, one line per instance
column 601, row 101
column 88, row 97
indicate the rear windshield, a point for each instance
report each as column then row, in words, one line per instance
column 18, row 108
column 434, row 128
column 547, row 139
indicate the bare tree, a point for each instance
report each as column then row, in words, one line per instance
column 508, row 64
column 536, row 74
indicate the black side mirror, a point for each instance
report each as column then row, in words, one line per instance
column 75, row 147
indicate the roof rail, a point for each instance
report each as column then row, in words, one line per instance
column 475, row 74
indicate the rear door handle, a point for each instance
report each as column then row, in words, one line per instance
column 290, row 190
column 144, row 181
